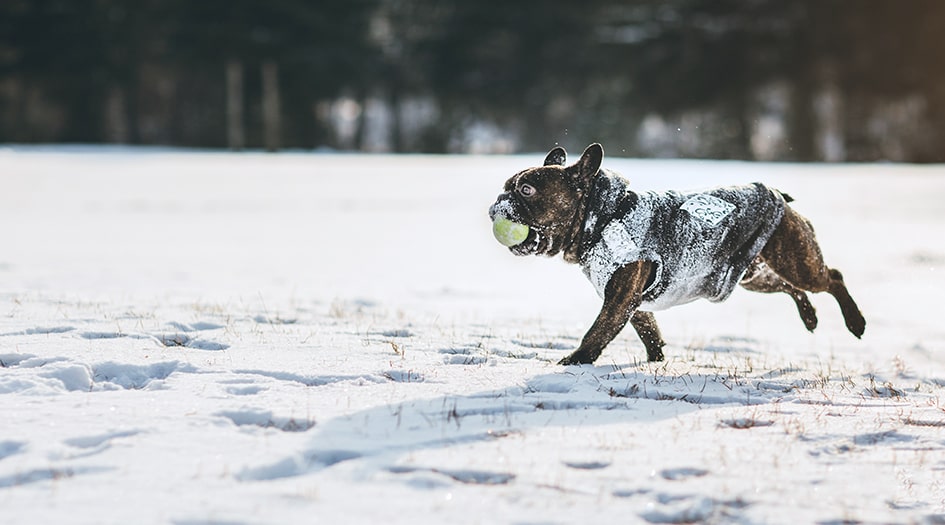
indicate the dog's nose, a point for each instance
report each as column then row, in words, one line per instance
column 503, row 207
column 500, row 206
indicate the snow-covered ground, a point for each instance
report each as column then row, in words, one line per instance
column 213, row 338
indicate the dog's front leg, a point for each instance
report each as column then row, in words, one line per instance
column 622, row 296
column 645, row 325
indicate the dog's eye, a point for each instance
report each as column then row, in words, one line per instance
column 527, row 190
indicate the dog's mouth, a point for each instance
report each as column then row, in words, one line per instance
column 534, row 244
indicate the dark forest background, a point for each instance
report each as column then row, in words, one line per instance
column 805, row 80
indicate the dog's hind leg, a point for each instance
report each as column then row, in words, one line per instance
column 645, row 325
column 852, row 316
column 760, row 278
column 793, row 254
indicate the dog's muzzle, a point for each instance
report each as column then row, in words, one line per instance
column 509, row 229
column 503, row 206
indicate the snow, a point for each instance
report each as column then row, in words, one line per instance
column 198, row 337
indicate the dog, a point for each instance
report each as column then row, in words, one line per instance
column 649, row 251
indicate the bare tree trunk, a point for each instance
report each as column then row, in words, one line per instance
column 397, row 139
column 829, row 116
column 361, row 124
column 270, row 105
column 801, row 119
column 116, row 117
column 235, row 134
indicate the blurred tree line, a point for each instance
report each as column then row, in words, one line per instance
column 834, row 80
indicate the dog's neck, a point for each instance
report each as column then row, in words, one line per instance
column 573, row 249
column 606, row 193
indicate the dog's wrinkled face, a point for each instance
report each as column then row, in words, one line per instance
column 549, row 200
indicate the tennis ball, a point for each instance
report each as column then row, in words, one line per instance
column 509, row 233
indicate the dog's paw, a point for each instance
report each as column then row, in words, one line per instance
column 567, row 362
column 654, row 355
column 857, row 325
column 577, row 358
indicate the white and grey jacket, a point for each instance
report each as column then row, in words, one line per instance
column 701, row 242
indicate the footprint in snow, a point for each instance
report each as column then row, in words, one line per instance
column 460, row 359
column 455, row 351
column 93, row 336
column 48, row 474
column 404, row 376
column 265, row 319
column 184, row 340
column 266, row 419
column 296, row 465
column 688, row 509
column 743, row 423
column 180, row 337
column 99, row 439
column 112, row 376
column 9, row 448
column 289, row 377
column 889, row 436
column 548, row 345
column 245, row 390
column 11, row 360
column 42, row 330
column 468, row 477
column 587, row 465
column 87, row 446
column 403, row 332
column 199, row 326
column 683, row 473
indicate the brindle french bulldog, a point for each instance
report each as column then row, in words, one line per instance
column 653, row 250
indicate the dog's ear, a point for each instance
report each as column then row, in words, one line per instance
column 587, row 167
column 556, row 157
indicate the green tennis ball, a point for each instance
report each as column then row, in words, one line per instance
column 509, row 233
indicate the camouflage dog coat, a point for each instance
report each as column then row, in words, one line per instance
column 701, row 243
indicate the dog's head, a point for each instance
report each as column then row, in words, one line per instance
column 549, row 200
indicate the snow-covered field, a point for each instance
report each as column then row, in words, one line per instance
column 244, row 339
